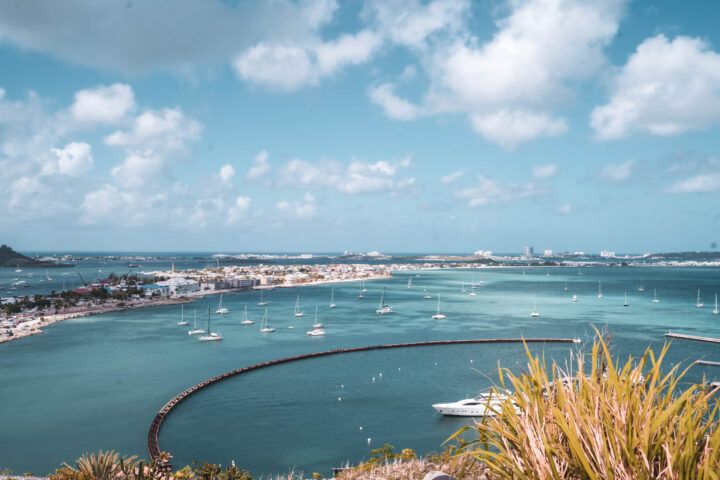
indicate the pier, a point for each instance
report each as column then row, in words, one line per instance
column 692, row 337
column 154, row 433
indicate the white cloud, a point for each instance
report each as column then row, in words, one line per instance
column 701, row 183
column 303, row 210
column 394, row 106
column 542, row 172
column 491, row 191
column 227, row 172
column 451, row 177
column 619, row 172
column 260, row 167
column 564, row 209
column 103, row 105
column 508, row 128
column 73, row 160
column 666, row 88
column 239, row 210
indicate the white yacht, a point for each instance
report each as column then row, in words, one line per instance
column 211, row 336
column 246, row 320
column 534, row 313
column 438, row 315
column 262, row 302
column 716, row 311
column 18, row 269
column 298, row 312
column 575, row 299
column 221, row 310
column 488, row 404
column 626, row 301
column 363, row 289
column 641, row 288
column 699, row 304
column 655, row 299
column 332, row 298
column 600, row 295
column 264, row 324
column 383, row 309
column 316, row 323
column 195, row 330
column 427, row 296
column 182, row 321
column 317, row 332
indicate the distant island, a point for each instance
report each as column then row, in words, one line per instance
column 11, row 258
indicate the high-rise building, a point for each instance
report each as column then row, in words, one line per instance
column 529, row 251
column 548, row 253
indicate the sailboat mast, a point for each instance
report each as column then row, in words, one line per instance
column 208, row 330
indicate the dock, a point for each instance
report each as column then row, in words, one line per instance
column 692, row 337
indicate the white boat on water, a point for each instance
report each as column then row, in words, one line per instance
column 18, row 269
column 47, row 275
column 383, row 308
column 438, row 315
column 488, row 404
column 600, row 295
column 221, row 310
column 427, row 296
column 264, row 328
column 195, row 330
column 641, row 288
column 462, row 290
column 182, row 321
column 409, row 282
column 575, row 298
column 318, row 330
column 298, row 312
column 245, row 319
column 626, row 301
column 534, row 313
column 655, row 299
column 716, row 311
column 262, row 302
column 565, row 289
column 362, row 288
column 332, row 298
column 211, row 336
column 316, row 322
column 699, row 304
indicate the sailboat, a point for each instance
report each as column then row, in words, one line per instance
column 427, row 295
column 363, row 289
column 47, row 275
column 534, row 313
column 317, row 330
column 18, row 269
column 575, row 298
column 626, row 301
column 262, row 302
column 699, row 304
column 655, row 299
column 182, row 321
column 332, row 298
column 298, row 312
column 211, row 336
column 600, row 295
column 383, row 309
column 246, row 320
column 716, row 311
column 409, row 282
column 195, row 330
column 438, row 315
column 264, row 324
column 317, row 323
column 566, row 289
column 462, row 290
column 472, row 290
column 641, row 288
column 360, row 295
column 221, row 310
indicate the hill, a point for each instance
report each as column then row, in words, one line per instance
column 11, row 258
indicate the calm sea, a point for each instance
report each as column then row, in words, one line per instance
column 97, row 382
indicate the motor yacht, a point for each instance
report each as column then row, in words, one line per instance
column 487, row 404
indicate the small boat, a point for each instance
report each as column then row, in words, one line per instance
column 47, row 275
column 383, row 308
column 262, row 302
column 626, row 301
column 316, row 323
column 566, row 289
column 655, row 299
column 487, row 404
column 534, row 313
column 575, row 299
column 298, row 312
column 221, row 310
column 438, row 315
column 472, row 290
column 547, row 273
column 462, row 290
column 18, row 269
column 246, row 320
column 600, row 295
column 579, row 272
column 332, row 298
column 716, row 311
column 182, row 321
column 195, row 330
column 699, row 304
column 427, row 296
column 641, row 288
column 264, row 324
column 317, row 332
column 211, row 336
column 409, row 282
column 360, row 295
column 363, row 289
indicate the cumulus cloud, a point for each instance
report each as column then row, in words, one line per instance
column 491, row 191
column 564, row 209
column 666, row 88
column 227, row 172
column 105, row 105
column 239, row 210
column 394, row 106
column 618, row 172
column 701, row 183
column 260, row 167
column 303, row 210
column 542, row 172
column 509, row 128
column 74, row 159
column 451, row 177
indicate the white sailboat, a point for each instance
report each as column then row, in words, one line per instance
column 182, row 321
column 600, row 295
column 211, row 336
column 262, row 302
column 221, row 310
column 438, row 315
column 245, row 319
column 298, row 312
column 655, row 299
column 264, row 324
column 575, row 298
column 363, row 289
column 427, row 296
column 195, row 330
column 360, row 295
column 699, row 304
column 534, row 313
column 18, row 269
column 317, row 330
column 409, row 282
column 566, row 289
column 332, row 298
column 716, row 311
column 462, row 290
column 626, row 301
column 383, row 309
column 641, row 288
column 47, row 275
column 316, row 323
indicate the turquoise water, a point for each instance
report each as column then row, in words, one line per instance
column 97, row 382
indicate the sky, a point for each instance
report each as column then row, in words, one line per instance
column 390, row 125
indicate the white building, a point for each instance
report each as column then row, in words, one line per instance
column 548, row 253
column 180, row 286
column 483, row 253
column 606, row 254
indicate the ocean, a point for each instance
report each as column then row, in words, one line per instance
column 97, row 382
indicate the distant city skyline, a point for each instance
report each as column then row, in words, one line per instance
column 442, row 126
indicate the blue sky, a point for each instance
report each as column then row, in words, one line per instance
column 400, row 126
